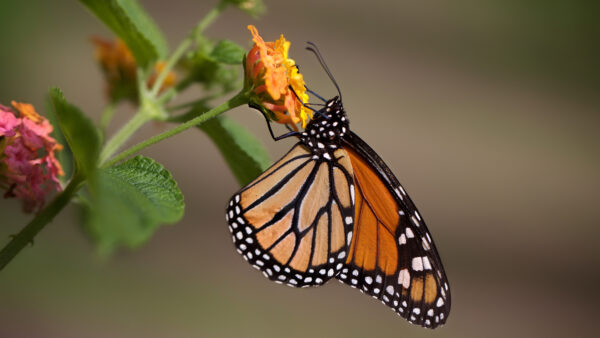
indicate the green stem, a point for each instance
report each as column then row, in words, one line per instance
column 167, row 96
column 177, row 54
column 193, row 103
column 185, row 44
column 236, row 101
column 107, row 115
column 123, row 135
column 208, row 19
column 28, row 233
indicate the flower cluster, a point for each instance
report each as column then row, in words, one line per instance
column 276, row 84
column 29, row 169
column 120, row 69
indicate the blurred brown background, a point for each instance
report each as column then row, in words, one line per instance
column 487, row 111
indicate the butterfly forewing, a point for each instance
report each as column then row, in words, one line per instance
column 292, row 222
column 392, row 256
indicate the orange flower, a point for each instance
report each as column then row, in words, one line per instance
column 120, row 69
column 270, row 74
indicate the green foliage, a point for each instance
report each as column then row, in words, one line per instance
column 130, row 201
column 228, row 52
column 128, row 20
column 252, row 7
column 65, row 155
column 79, row 131
column 126, row 203
column 211, row 71
column 243, row 152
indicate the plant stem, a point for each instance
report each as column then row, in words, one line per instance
column 236, row 101
column 106, row 116
column 27, row 234
column 194, row 36
column 193, row 103
column 123, row 135
column 208, row 19
column 177, row 54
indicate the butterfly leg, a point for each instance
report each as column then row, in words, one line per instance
column 280, row 137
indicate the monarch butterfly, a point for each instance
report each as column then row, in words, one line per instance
column 331, row 208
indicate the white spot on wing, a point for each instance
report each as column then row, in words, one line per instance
column 426, row 263
column 425, row 244
column 398, row 194
column 404, row 278
column 417, row 264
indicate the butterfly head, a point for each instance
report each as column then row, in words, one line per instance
column 324, row 132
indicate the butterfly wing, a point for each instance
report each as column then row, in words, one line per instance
column 292, row 221
column 392, row 256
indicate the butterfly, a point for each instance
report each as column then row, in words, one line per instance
column 331, row 208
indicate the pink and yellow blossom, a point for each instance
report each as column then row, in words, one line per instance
column 29, row 168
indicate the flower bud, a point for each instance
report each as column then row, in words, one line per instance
column 120, row 70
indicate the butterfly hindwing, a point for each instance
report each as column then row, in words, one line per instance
column 292, row 221
column 392, row 256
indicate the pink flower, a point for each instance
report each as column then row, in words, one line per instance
column 29, row 169
column 7, row 122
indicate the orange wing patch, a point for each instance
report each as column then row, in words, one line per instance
column 376, row 221
column 391, row 255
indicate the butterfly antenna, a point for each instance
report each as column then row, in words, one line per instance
column 315, row 94
column 307, row 105
column 313, row 48
column 310, row 91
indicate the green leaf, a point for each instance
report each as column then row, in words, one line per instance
column 80, row 133
column 130, row 201
column 128, row 20
column 243, row 152
column 228, row 52
column 252, row 7
column 205, row 69
column 65, row 156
